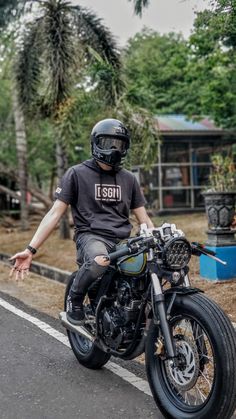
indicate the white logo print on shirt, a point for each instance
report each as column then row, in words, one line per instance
column 107, row 192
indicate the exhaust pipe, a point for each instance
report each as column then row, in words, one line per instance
column 75, row 329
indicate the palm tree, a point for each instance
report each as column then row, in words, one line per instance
column 21, row 148
column 139, row 5
column 56, row 47
column 10, row 9
column 20, row 132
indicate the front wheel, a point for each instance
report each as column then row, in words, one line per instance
column 87, row 353
column 203, row 385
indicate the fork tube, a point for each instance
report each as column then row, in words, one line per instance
column 186, row 281
column 160, row 313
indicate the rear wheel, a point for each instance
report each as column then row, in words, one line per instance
column 87, row 353
column 203, row 386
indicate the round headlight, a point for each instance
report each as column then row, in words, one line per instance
column 177, row 253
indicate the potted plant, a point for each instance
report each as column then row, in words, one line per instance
column 220, row 194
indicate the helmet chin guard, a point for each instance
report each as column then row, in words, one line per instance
column 110, row 141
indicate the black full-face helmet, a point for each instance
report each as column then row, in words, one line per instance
column 110, row 141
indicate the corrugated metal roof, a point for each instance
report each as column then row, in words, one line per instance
column 182, row 123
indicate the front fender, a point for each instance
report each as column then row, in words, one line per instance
column 182, row 290
column 171, row 293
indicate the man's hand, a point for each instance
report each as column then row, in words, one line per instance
column 22, row 264
column 23, row 259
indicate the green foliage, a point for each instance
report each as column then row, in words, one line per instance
column 105, row 79
column 223, row 174
column 7, row 132
column 213, row 62
column 144, row 133
column 166, row 74
column 155, row 71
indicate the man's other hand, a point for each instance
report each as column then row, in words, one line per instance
column 22, row 264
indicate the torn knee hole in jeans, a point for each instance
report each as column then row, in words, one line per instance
column 102, row 260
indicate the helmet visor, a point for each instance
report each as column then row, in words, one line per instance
column 109, row 143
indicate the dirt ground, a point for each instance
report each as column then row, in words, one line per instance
column 47, row 295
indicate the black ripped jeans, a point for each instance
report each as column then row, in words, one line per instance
column 88, row 247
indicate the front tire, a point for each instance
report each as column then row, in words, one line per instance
column 205, row 385
column 87, row 353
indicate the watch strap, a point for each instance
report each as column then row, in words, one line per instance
column 31, row 249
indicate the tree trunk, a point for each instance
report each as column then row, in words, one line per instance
column 61, row 168
column 21, row 148
column 31, row 208
column 46, row 200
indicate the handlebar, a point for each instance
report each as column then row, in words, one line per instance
column 131, row 247
column 125, row 250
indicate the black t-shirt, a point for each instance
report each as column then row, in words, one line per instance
column 100, row 200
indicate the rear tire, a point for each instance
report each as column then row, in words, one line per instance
column 205, row 386
column 87, row 353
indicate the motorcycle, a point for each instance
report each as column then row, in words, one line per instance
column 145, row 303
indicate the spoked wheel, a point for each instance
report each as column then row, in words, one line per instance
column 203, row 384
column 87, row 353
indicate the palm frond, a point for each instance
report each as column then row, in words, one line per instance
column 59, row 54
column 144, row 133
column 107, row 79
column 57, row 48
column 93, row 33
column 102, row 51
column 27, row 66
column 139, row 5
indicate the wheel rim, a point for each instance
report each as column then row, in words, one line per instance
column 191, row 384
column 186, row 377
column 82, row 344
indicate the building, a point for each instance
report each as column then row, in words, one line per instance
column 176, row 180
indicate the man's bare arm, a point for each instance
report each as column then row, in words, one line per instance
column 23, row 259
column 48, row 223
column 142, row 216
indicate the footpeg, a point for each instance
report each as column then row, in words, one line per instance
column 76, row 329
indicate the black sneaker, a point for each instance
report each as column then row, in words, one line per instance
column 75, row 312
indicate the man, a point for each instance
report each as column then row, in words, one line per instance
column 101, row 193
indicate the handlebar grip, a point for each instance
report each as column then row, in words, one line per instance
column 198, row 249
column 125, row 250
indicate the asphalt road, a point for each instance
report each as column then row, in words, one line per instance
column 40, row 378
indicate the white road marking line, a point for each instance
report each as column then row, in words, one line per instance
column 126, row 375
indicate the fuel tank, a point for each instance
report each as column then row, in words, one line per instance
column 135, row 265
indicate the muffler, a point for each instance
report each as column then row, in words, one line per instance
column 75, row 329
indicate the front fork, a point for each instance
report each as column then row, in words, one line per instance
column 161, row 316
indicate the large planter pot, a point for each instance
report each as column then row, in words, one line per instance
column 220, row 209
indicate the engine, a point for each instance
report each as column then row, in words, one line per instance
column 118, row 320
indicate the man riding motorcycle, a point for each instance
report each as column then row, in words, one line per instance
column 101, row 193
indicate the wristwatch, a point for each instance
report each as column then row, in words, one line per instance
column 31, row 249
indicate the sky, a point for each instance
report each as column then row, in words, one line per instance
column 162, row 15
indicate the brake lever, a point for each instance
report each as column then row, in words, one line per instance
column 199, row 248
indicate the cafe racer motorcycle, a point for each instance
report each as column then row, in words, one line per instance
column 145, row 303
